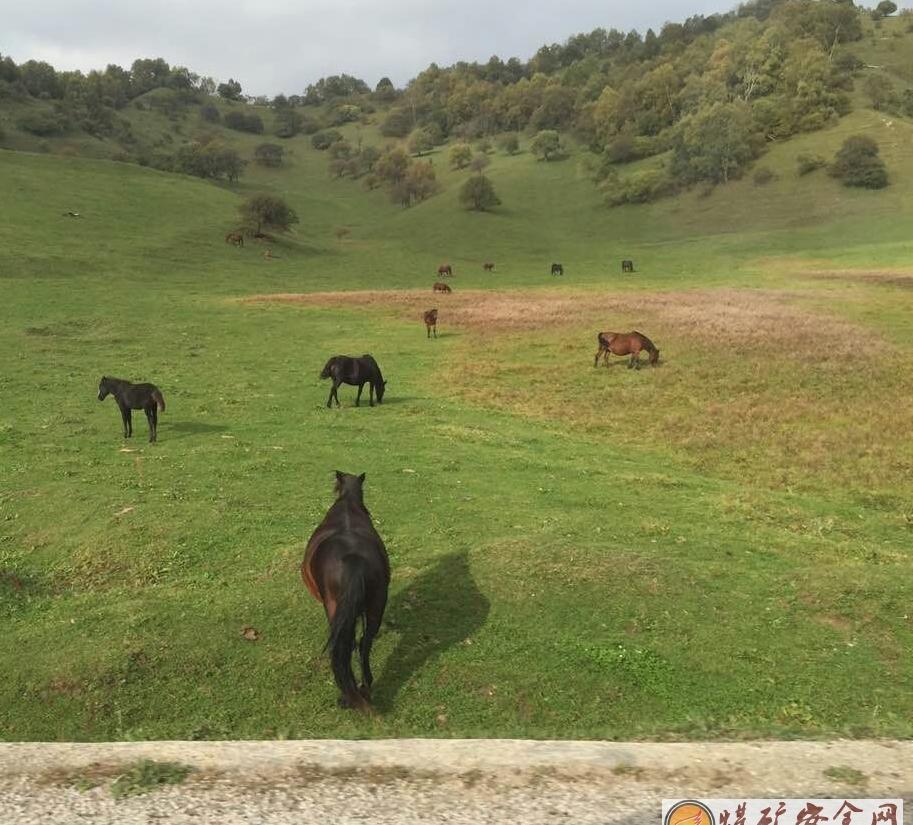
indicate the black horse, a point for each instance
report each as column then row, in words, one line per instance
column 346, row 369
column 346, row 568
column 146, row 397
column 627, row 266
column 557, row 269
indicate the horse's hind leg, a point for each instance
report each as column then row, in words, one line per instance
column 372, row 626
column 151, row 422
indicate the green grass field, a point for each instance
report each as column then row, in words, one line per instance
column 719, row 547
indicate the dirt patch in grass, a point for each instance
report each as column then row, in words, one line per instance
column 740, row 318
column 884, row 277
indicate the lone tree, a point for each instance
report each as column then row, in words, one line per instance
column 510, row 144
column 884, row 9
column 269, row 154
column 460, row 155
column 478, row 194
column 546, row 145
column 479, row 162
column 857, row 164
column 268, row 211
column 420, row 142
column 230, row 90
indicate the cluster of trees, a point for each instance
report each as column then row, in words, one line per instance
column 205, row 157
column 857, row 163
column 407, row 179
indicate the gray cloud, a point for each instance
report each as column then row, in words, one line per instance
column 282, row 45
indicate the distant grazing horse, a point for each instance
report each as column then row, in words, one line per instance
column 146, row 397
column 488, row 266
column 444, row 269
column 430, row 317
column 440, row 286
column 235, row 238
column 347, row 569
column 625, row 343
column 627, row 266
column 557, row 269
column 345, row 369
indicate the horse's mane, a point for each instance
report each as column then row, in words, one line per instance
column 648, row 344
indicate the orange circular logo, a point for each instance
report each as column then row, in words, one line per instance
column 689, row 812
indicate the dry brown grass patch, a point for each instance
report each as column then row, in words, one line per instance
column 739, row 318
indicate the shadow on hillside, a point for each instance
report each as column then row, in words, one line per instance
column 438, row 610
column 185, row 429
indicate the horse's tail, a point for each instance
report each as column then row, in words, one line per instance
column 649, row 346
column 350, row 605
column 159, row 399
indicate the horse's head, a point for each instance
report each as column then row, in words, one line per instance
column 349, row 485
column 654, row 357
column 103, row 389
column 381, row 387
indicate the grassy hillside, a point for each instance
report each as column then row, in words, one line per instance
column 717, row 547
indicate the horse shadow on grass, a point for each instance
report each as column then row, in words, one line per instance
column 439, row 609
column 184, row 429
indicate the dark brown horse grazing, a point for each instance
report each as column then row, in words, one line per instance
column 440, row 286
column 430, row 317
column 625, row 343
column 146, row 397
column 444, row 270
column 488, row 266
column 347, row 569
column 557, row 269
column 344, row 369
column 627, row 266
column 235, row 238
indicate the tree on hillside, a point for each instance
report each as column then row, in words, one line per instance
column 510, row 144
column 392, row 165
column 210, row 113
column 546, row 145
column 478, row 194
column 420, row 142
column 857, row 164
column 244, row 122
column 325, row 139
column 460, row 155
column 715, row 144
column 261, row 212
column 479, row 162
column 230, row 90
column 880, row 91
column 269, row 154
column 385, row 90
column 884, row 9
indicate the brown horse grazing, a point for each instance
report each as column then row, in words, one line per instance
column 625, row 343
column 235, row 238
column 347, row 569
column 488, row 266
column 440, row 286
column 430, row 317
column 444, row 270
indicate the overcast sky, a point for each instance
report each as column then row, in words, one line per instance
column 273, row 46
